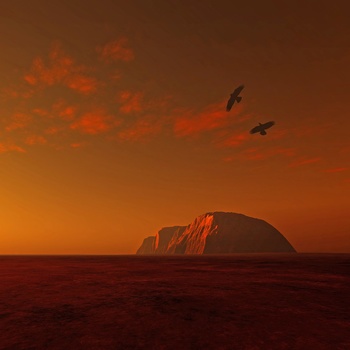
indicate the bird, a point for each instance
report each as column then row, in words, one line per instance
column 262, row 127
column 234, row 97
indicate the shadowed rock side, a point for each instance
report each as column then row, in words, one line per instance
column 221, row 233
column 147, row 246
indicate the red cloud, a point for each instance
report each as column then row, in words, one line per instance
column 8, row 147
column 305, row 161
column 141, row 130
column 53, row 130
column 82, row 84
column 116, row 50
column 18, row 92
column 60, row 69
column 77, row 144
column 41, row 112
column 35, row 140
column 94, row 123
column 68, row 113
column 264, row 154
column 235, row 140
column 335, row 170
column 64, row 111
column 18, row 121
column 213, row 117
column 130, row 102
column 256, row 153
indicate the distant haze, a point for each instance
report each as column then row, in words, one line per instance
column 113, row 121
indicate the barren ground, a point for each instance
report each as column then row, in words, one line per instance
column 296, row 301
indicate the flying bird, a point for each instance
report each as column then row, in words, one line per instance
column 261, row 128
column 234, row 97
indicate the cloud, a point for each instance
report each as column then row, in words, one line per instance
column 83, row 84
column 305, row 161
column 130, row 102
column 77, row 144
column 18, row 121
column 96, row 122
column 8, row 147
column 60, row 69
column 310, row 127
column 335, row 170
column 68, row 113
column 52, row 130
column 150, row 116
column 117, row 50
column 213, row 117
column 35, row 140
column 64, row 111
column 16, row 92
column 41, row 112
column 261, row 153
column 141, row 130
column 235, row 140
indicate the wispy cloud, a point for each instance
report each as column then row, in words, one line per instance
column 10, row 147
column 52, row 130
column 77, row 144
column 60, row 68
column 305, row 161
column 17, row 92
column 336, row 170
column 117, row 50
column 81, row 83
column 18, row 121
column 64, row 111
column 35, row 140
column 130, row 102
column 213, row 117
column 53, row 93
column 235, row 140
column 261, row 153
column 310, row 127
column 41, row 112
column 143, row 129
column 96, row 122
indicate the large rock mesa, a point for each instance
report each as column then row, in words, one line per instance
column 219, row 233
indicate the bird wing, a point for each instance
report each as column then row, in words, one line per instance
column 268, row 125
column 255, row 129
column 238, row 90
column 230, row 104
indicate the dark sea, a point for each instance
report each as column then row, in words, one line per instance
column 252, row 301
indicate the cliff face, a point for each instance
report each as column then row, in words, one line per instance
column 147, row 246
column 163, row 238
column 221, row 233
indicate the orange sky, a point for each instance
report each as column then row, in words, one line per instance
column 113, row 120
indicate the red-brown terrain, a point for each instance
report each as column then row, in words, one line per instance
column 217, row 233
column 274, row 301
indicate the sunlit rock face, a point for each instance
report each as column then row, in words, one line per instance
column 220, row 233
column 163, row 238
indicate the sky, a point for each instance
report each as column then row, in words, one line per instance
column 113, row 121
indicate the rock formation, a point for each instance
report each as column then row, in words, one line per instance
column 147, row 246
column 218, row 233
column 163, row 237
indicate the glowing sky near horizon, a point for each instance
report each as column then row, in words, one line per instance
column 113, row 121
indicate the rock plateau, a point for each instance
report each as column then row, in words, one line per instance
column 218, row 233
